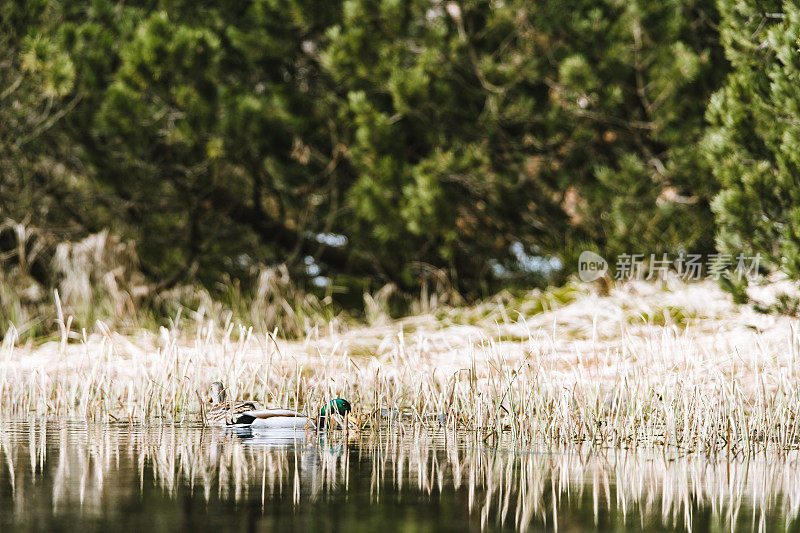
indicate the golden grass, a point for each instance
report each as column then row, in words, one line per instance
column 99, row 278
column 585, row 368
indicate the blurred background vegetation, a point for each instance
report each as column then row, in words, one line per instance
column 290, row 157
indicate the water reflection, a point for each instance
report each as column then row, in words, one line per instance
column 72, row 476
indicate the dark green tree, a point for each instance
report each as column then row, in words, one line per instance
column 380, row 141
column 754, row 133
column 213, row 138
column 37, row 79
column 475, row 126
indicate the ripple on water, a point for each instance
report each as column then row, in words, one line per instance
column 74, row 476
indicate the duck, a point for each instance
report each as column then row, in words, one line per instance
column 222, row 411
column 253, row 414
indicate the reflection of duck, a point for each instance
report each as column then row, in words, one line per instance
column 255, row 415
column 276, row 438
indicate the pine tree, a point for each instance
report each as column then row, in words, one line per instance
column 754, row 135
column 451, row 139
column 475, row 126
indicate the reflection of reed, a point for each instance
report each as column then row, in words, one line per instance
column 60, row 467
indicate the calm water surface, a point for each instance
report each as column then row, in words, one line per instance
column 87, row 477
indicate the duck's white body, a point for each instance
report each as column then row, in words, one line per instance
column 302, row 422
column 279, row 419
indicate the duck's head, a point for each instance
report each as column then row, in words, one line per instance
column 336, row 406
column 217, row 393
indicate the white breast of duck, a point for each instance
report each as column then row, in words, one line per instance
column 276, row 418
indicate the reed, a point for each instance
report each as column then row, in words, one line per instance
column 99, row 278
column 620, row 369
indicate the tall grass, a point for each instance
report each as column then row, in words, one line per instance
column 99, row 279
column 618, row 370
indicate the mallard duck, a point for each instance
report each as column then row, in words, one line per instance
column 222, row 410
column 253, row 414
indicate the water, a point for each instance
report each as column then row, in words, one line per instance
column 84, row 477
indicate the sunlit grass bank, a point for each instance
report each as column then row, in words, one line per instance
column 654, row 364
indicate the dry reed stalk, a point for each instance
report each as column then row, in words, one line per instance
column 588, row 370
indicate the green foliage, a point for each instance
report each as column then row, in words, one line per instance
column 475, row 127
column 755, row 133
column 414, row 143
column 36, row 76
column 784, row 304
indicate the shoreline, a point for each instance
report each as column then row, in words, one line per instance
column 591, row 369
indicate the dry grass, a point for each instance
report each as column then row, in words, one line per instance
column 99, row 278
column 668, row 363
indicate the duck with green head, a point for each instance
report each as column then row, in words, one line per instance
column 252, row 414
